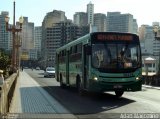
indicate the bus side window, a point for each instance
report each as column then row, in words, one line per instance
column 79, row 48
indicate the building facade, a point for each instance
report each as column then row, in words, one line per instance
column 80, row 19
column 149, row 43
column 118, row 22
column 27, row 45
column 150, row 47
column 50, row 39
column 5, row 36
column 27, row 35
column 100, row 22
column 90, row 13
column 59, row 35
column 38, row 39
column 52, row 18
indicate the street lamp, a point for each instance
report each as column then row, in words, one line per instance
column 18, row 45
column 13, row 29
column 155, row 30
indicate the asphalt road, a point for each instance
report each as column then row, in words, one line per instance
column 145, row 101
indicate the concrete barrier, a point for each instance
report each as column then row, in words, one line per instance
column 6, row 92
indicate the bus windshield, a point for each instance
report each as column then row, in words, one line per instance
column 111, row 56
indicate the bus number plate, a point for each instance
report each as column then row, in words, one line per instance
column 117, row 86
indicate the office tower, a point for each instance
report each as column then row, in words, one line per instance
column 90, row 13
column 146, row 39
column 38, row 39
column 121, row 22
column 28, row 52
column 5, row 36
column 80, row 19
column 52, row 18
column 100, row 22
column 142, row 32
column 27, row 35
column 56, row 33
column 49, row 43
column 149, row 43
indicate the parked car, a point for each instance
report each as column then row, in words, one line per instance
column 49, row 72
column 37, row 68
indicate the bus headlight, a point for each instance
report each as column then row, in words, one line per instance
column 95, row 78
column 137, row 78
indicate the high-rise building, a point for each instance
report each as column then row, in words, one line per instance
column 90, row 13
column 135, row 26
column 27, row 35
column 100, row 22
column 70, row 31
column 5, row 36
column 58, row 35
column 28, row 51
column 57, row 30
column 118, row 22
column 80, row 19
column 49, row 42
column 38, row 39
column 53, row 17
column 147, row 39
column 149, row 44
column 141, row 32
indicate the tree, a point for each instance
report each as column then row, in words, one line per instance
column 5, row 60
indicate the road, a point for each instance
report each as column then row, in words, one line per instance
column 145, row 101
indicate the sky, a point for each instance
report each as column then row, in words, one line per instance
column 145, row 11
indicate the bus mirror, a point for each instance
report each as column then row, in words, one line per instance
column 88, row 50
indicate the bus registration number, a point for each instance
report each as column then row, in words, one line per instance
column 117, row 86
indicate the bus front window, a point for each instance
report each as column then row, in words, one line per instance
column 101, row 56
column 115, row 56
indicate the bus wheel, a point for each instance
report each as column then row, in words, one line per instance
column 119, row 93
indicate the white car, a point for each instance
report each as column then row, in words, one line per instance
column 49, row 72
column 37, row 68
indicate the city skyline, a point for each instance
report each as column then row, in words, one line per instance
column 143, row 11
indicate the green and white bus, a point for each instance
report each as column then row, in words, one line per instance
column 100, row 62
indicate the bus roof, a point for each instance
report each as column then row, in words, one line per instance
column 77, row 41
column 85, row 39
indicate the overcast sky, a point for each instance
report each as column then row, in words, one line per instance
column 145, row 11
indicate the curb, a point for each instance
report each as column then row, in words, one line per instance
column 152, row 87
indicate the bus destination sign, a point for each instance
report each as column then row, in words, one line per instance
column 114, row 37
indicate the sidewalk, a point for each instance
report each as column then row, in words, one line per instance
column 32, row 100
column 152, row 87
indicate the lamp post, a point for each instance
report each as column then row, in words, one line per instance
column 13, row 29
column 155, row 30
column 18, row 45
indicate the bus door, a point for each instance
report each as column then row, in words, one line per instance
column 85, row 66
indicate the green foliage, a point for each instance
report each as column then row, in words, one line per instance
column 5, row 60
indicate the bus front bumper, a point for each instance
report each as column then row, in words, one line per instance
column 101, row 86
